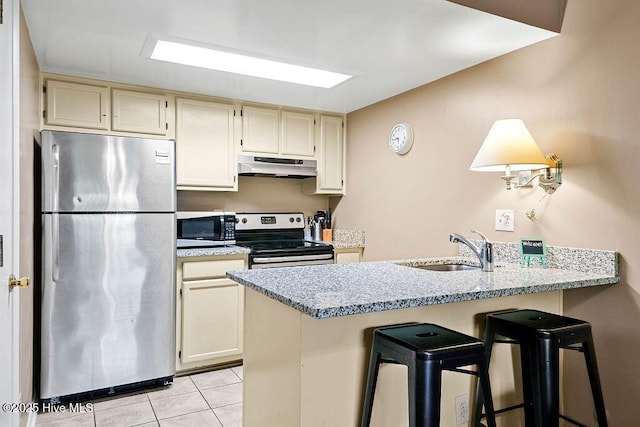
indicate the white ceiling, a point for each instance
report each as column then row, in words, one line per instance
column 390, row 46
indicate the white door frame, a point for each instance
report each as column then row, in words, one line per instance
column 9, row 208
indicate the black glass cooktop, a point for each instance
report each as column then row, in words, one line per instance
column 288, row 245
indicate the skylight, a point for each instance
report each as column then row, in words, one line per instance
column 212, row 59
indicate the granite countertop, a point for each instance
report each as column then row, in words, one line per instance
column 217, row 251
column 326, row 291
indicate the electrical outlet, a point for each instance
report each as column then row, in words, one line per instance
column 462, row 409
column 505, row 220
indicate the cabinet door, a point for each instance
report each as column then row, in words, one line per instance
column 212, row 313
column 331, row 157
column 260, row 130
column 348, row 257
column 297, row 134
column 204, row 145
column 77, row 105
column 139, row 112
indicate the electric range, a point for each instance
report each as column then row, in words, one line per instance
column 277, row 240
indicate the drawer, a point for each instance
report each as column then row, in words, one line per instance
column 193, row 270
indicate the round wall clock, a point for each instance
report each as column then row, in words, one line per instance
column 401, row 138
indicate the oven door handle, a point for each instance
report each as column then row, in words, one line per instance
column 265, row 260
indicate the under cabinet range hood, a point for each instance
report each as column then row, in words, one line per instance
column 269, row 166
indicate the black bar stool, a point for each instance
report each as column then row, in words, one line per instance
column 541, row 336
column 427, row 350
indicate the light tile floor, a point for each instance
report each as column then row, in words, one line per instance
column 208, row 399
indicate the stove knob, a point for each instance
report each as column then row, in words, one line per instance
column 244, row 220
column 291, row 219
column 298, row 219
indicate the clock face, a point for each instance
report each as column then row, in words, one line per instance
column 401, row 138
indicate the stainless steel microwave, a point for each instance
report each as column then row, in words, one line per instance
column 205, row 229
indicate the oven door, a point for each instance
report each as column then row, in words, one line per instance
column 266, row 261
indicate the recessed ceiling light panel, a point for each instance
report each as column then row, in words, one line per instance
column 219, row 60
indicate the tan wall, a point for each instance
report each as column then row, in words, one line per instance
column 256, row 194
column 29, row 113
column 579, row 95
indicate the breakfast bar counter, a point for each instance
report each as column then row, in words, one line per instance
column 326, row 291
column 308, row 331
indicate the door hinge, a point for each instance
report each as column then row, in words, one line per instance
column 314, row 148
column 180, row 354
column 1, row 11
column 44, row 88
column 241, row 142
column 1, row 250
column 314, row 122
column 44, row 114
column 166, row 126
column 234, row 180
column 180, row 291
column 240, row 113
column 166, row 104
column 234, row 112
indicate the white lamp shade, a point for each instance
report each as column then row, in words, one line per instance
column 508, row 144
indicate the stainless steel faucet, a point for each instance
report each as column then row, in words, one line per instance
column 484, row 252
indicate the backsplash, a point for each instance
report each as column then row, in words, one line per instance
column 256, row 194
column 578, row 259
column 348, row 239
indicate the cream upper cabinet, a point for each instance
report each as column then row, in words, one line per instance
column 76, row 105
column 210, row 313
column 331, row 158
column 139, row 112
column 205, row 155
column 275, row 132
column 260, row 130
column 297, row 134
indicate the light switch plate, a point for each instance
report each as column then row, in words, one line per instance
column 505, row 220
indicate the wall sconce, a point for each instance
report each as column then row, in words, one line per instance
column 509, row 147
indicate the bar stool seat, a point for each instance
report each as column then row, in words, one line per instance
column 540, row 336
column 426, row 349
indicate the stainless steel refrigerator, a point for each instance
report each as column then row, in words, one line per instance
column 108, row 263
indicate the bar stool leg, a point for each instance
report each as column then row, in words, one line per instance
column 549, row 377
column 483, row 377
column 488, row 345
column 594, row 379
column 372, row 379
column 425, row 380
column 530, row 384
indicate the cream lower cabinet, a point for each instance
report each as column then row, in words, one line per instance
column 205, row 156
column 348, row 255
column 210, row 312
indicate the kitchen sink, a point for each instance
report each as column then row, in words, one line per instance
column 442, row 267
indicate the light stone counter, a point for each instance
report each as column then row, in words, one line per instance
column 217, row 251
column 326, row 291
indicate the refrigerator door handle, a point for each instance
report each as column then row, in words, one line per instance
column 55, row 163
column 55, row 246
